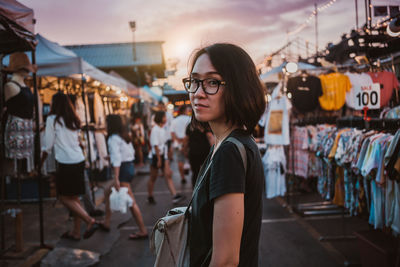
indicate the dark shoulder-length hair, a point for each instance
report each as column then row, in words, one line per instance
column 244, row 96
column 62, row 107
column 158, row 117
column 116, row 126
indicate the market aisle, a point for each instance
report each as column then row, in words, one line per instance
column 283, row 242
column 286, row 239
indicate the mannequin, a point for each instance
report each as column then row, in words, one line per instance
column 18, row 134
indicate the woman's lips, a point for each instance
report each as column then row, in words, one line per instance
column 200, row 106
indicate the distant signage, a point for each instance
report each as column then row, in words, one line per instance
column 367, row 96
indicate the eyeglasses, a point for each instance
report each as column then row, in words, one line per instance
column 210, row 86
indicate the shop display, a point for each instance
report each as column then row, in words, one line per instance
column 305, row 90
column 334, row 89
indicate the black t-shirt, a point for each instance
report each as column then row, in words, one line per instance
column 305, row 92
column 227, row 175
column 198, row 143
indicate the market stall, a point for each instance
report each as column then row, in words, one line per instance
column 17, row 35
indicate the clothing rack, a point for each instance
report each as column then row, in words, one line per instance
column 323, row 207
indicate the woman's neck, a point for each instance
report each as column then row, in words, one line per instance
column 221, row 131
column 20, row 79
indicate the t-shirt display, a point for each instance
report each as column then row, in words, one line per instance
column 305, row 92
column 356, row 79
column 227, row 175
column 276, row 119
column 388, row 82
column 334, row 88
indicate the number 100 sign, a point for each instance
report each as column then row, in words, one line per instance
column 367, row 96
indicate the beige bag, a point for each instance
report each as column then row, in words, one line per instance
column 169, row 238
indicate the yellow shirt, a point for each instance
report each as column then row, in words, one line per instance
column 334, row 88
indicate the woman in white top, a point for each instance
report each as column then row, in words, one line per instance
column 159, row 150
column 62, row 133
column 122, row 155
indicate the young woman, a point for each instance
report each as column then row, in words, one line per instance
column 159, row 150
column 62, row 133
column 122, row 155
column 227, row 97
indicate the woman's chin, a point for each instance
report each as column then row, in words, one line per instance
column 201, row 118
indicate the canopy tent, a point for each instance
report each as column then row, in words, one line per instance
column 146, row 90
column 16, row 27
column 133, row 90
column 55, row 60
column 273, row 75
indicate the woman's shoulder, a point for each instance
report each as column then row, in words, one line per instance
column 114, row 138
column 51, row 118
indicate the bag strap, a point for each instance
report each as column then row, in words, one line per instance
column 243, row 155
column 242, row 151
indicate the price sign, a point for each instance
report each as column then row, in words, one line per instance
column 368, row 96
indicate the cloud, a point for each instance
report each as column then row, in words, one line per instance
column 259, row 26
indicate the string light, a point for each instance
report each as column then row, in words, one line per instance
column 312, row 16
column 380, row 21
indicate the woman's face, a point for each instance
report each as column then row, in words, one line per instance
column 207, row 108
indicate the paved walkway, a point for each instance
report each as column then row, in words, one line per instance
column 286, row 239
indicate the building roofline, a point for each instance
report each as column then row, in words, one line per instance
column 114, row 44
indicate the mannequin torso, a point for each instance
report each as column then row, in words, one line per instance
column 11, row 89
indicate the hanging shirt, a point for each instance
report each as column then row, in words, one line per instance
column 356, row 80
column 305, row 92
column 274, row 162
column 388, row 82
column 276, row 119
column 334, row 88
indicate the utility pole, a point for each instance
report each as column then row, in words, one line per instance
column 316, row 29
column 356, row 3
column 132, row 24
column 369, row 15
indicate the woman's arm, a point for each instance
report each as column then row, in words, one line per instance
column 227, row 229
column 116, row 178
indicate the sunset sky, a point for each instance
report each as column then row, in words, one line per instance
column 259, row 26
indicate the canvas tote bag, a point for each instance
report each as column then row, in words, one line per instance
column 169, row 238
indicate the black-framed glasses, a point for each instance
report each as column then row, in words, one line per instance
column 210, row 85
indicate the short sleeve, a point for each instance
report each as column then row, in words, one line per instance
column 319, row 87
column 291, row 85
column 396, row 84
column 154, row 137
column 348, row 83
column 114, row 150
column 50, row 134
column 227, row 173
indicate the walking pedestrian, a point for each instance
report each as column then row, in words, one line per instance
column 138, row 136
column 178, row 132
column 122, row 156
column 167, row 126
column 62, row 133
column 228, row 98
column 160, row 161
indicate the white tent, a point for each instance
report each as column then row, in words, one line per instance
column 55, row 60
column 273, row 75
